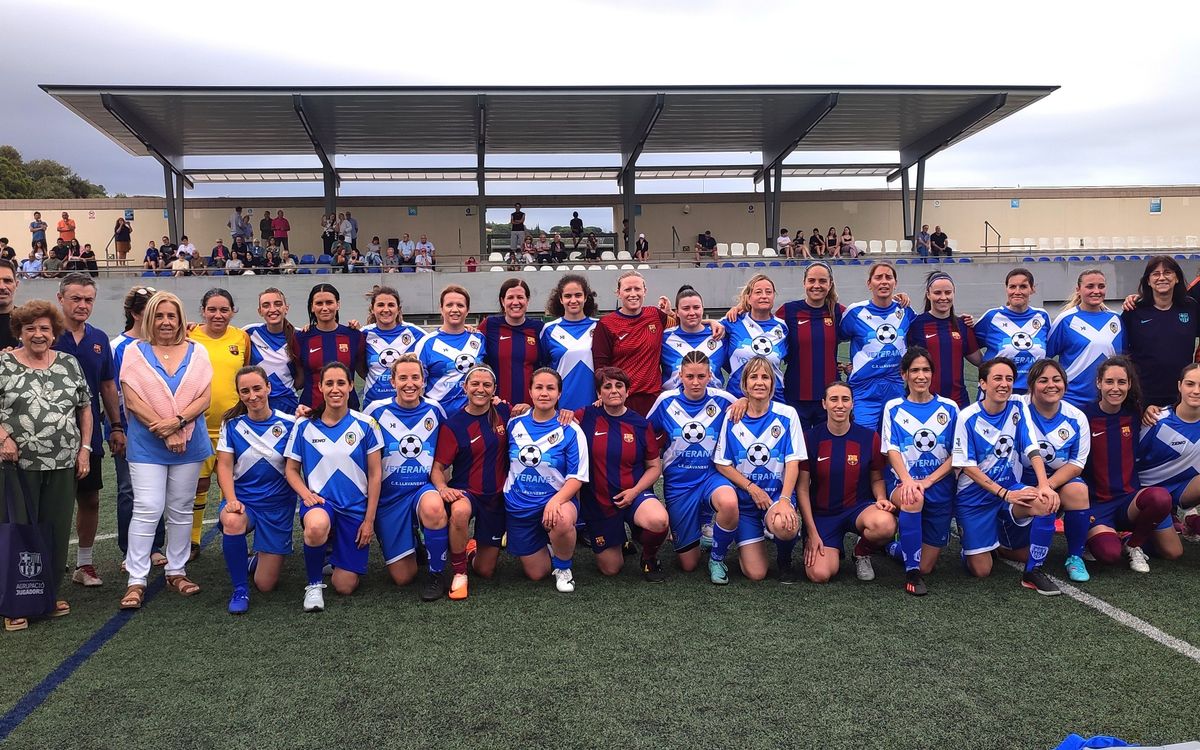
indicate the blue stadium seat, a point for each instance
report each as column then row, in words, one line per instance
column 375, row 269
column 1073, row 259
column 727, row 265
column 711, row 265
column 854, row 262
column 166, row 273
column 148, row 274
column 743, row 264
column 221, row 272
column 325, row 260
column 775, row 264
column 1059, row 259
column 308, row 259
column 964, row 260
column 1104, row 258
column 1027, row 259
column 303, row 270
column 904, row 261
column 1089, row 259
column 757, row 264
column 1043, row 259
column 326, row 270
column 1181, row 257
column 1118, row 257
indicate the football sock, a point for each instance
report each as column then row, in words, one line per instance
column 1153, row 504
column 910, row 539
column 1041, row 534
column 1075, row 525
column 198, row 516
column 1106, row 547
column 437, row 541
column 894, row 551
column 458, row 562
column 863, row 548
column 314, row 563
column 722, row 538
column 560, row 564
column 651, row 541
column 783, row 552
column 235, row 549
column 83, row 557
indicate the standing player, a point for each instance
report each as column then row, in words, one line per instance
column 1062, row 436
column 630, row 338
column 252, row 477
column 448, row 352
column 271, row 344
column 688, row 421
column 1084, row 335
column 624, row 464
column 990, row 437
column 548, row 464
column 228, row 350
column 756, row 333
column 511, row 345
column 326, row 340
column 409, row 425
column 948, row 338
column 918, row 432
column 876, row 329
column 811, row 360
column 841, row 491
column 1169, row 453
column 567, row 339
column 760, row 456
column 1119, row 501
column 1161, row 324
column 334, row 467
column 473, row 445
column 691, row 335
column 387, row 337
column 1016, row 330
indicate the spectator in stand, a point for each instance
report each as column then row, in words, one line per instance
column 591, row 251
column 7, row 252
column 374, row 247
column 939, row 244
column 424, row 260
column 186, row 249
column 166, row 251
column 260, row 256
column 576, row 230
column 558, row 250
column 266, row 228
column 287, row 264
column 341, row 256
column 31, row 267
column 75, row 258
column 220, row 254
column 8, row 290
column 708, row 242
column 527, row 252
column 345, row 232
column 122, row 239
column 329, row 232
column 831, row 243
column 472, row 264
column 516, row 223
column 153, row 259
column 542, row 252
column 181, row 266
column 700, row 249
column 280, row 228
column 66, row 227
column 625, row 234
column 783, row 243
column 816, row 244
column 922, row 243
column 240, row 251
column 236, row 224
column 353, row 222
column 406, row 249
column 37, row 229
column 234, row 265
column 641, row 248
column 391, row 261
column 271, row 259
column 60, row 251
column 355, row 262
column 374, row 255
column 426, row 246
column 89, row 260
column 847, row 243
column 52, row 266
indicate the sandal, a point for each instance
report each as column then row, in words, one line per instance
column 61, row 609
column 158, row 559
column 133, row 597
column 16, row 623
column 184, row 585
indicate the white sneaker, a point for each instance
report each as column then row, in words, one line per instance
column 863, row 568
column 706, row 536
column 564, row 581
column 314, row 600
column 1138, row 561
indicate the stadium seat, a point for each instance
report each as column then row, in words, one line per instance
column 575, row 255
column 529, row 269
column 1176, row 242
column 769, row 252
column 496, row 269
column 1089, row 259
column 548, row 267
column 1043, row 259
column 964, row 260
column 627, row 267
column 759, row 264
column 1150, row 243
column 891, row 246
column 775, row 264
column 1028, row 259
column 753, row 249
column 324, row 260
column 1074, row 259
column 727, row 264
column 322, row 270
column 902, row 261
column 1031, row 243
column 578, row 268
column 1118, row 257
column 562, row 268
column 1117, row 243
column 711, row 265
column 308, row 259
column 1103, row 258
column 1191, row 241
column 1074, row 243
column 608, row 255
column 495, row 257
column 1089, row 243
column 1059, row 259
column 906, row 246
column 148, row 274
column 1060, row 243
column 722, row 249
column 743, row 264
column 737, row 249
column 624, row 255
column 1014, row 242
column 643, row 266
column 875, row 246
column 594, row 268
column 1045, row 243
column 1133, row 243
column 861, row 245
column 612, row 267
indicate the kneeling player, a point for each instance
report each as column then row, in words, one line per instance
column 760, row 455
column 917, row 434
column 548, row 463
column 624, row 465
column 250, row 472
column 1169, row 453
column 989, row 439
column 409, row 426
column 334, row 467
column 841, row 491
column 688, row 421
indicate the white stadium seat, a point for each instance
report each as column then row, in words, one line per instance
column 861, row 245
column 495, row 257
column 1030, row 243
column 1176, row 242
column 769, row 252
column 594, row 268
column 1133, row 243
column 1044, row 243
column 1060, row 243
column 497, row 268
column 1191, row 242
column 531, row 269
column 578, row 268
column 906, row 246
column 608, row 255
column 1014, row 243
column 562, row 268
column 876, row 246
column 889, row 246
column 643, row 267
column 754, row 249
column 1117, row 243
column 624, row 255
column 1103, row 243
column 1149, row 243
column 613, row 267
column 1074, row 243
column 575, row 255
column 737, row 249
column 1089, row 243
column 627, row 267
column 722, row 249
column 952, row 243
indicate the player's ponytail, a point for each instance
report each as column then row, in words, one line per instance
column 239, row 408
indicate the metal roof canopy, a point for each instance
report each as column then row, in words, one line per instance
column 172, row 123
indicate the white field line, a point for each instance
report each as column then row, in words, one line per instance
column 1133, row 622
column 106, row 537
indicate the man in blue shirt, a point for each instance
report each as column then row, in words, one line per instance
column 37, row 228
column 90, row 346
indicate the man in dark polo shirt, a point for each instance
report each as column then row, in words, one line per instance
column 939, row 243
column 516, row 229
column 90, row 345
column 8, row 292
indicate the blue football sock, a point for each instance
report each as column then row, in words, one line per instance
column 234, row 547
column 1041, row 534
column 910, row 539
column 560, row 564
column 437, row 542
column 1076, row 524
column 893, row 551
column 783, row 551
column 722, row 538
column 314, row 563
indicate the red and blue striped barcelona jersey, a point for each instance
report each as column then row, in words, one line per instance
column 617, row 449
column 1110, row 471
column 949, row 341
column 811, row 350
column 513, row 354
column 474, row 451
column 314, row 349
column 840, row 467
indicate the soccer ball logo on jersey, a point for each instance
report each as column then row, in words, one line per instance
column 1022, row 341
column 886, row 333
column 924, row 440
column 530, row 456
column 410, row 446
column 388, row 357
column 758, row 454
column 761, row 345
column 1046, row 451
column 693, row 432
column 1004, row 447
column 463, row 362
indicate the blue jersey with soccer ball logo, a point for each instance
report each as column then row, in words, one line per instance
column 383, row 349
column 876, row 337
column 690, row 430
column 409, row 443
column 923, row 434
column 1062, row 439
column 542, row 456
column 994, row 443
column 747, row 338
column 446, row 357
column 760, row 447
column 1020, row 336
column 333, row 459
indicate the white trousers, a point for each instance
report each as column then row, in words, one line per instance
column 158, row 490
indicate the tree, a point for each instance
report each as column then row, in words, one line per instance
column 41, row 178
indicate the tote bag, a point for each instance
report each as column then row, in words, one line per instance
column 26, row 555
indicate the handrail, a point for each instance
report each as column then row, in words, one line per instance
column 676, row 241
column 986, row 226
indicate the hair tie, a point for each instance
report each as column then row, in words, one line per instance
column 936, row 276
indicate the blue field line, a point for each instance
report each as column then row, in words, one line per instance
column 36, row 697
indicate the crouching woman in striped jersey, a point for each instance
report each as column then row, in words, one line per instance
column 1169, row 454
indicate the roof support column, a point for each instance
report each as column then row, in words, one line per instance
column 169, row 206
column 776, row 207
column 768, row 202
column 480, row 175
column 628, row 196
column 629, row 157
column 904, row 199
column 330, row 181
column 919, row 201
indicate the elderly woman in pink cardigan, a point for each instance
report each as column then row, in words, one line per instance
column 166, row 380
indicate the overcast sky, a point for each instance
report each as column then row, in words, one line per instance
column 1126, row 114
